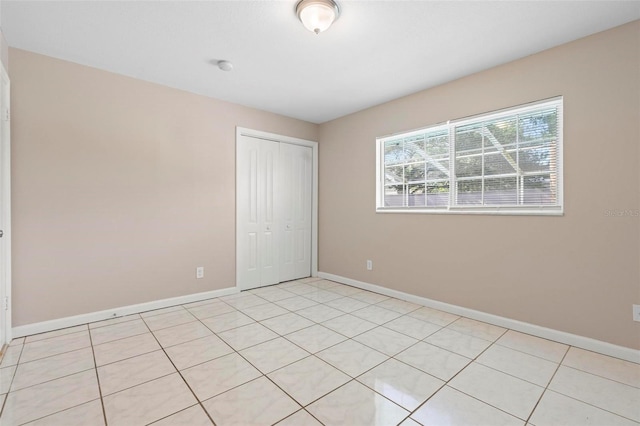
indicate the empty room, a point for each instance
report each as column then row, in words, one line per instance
column 319, row 212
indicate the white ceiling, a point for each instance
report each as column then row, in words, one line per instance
column 376, row 51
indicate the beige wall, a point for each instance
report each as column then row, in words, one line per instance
column 4, row 52
column 4, row 48
column 578, row 273
column 120, row 188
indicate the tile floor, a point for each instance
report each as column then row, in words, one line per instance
column 309, row 352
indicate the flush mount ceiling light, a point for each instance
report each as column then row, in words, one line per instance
column 317, row 15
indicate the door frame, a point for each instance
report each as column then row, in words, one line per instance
column 5, row 254
column 242, row 131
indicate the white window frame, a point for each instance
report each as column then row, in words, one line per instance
column 552, row 210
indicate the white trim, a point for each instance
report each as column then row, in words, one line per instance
column 508, row 111
column 587, row 343
column 431, row 129
column 379, row 174
column 56, row 324
column 6, row 210
column 242, row 131
column 482, row 210
column 560, row 153
column 314, row 213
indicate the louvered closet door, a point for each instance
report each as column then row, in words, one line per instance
column 295, row 195
column 257, row 236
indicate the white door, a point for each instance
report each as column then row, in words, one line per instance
column 257, row 233
column 5, row 211
column 295, row 195
column 274, row 193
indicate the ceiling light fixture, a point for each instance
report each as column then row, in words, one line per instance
column 317, row 15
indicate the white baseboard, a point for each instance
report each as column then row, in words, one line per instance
column 587, row 343
column 56, row 324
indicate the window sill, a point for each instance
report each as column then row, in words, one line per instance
column 508, row 211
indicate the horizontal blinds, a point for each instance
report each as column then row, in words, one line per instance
column 506, row 159
column 416, row 170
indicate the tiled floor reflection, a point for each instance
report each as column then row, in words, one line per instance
column 308, row 352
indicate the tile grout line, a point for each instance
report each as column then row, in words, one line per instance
column 249, row 362
column 356, row 335
column 304, row 407
column 58, row 412
column 599, row 376
column 259, row 322
column 274, row 383
column 547, row 386
column 318, row 323
column 53, row 337
column 61, row 377
column 526, row 353
column 412, row 412
column 296, row 412
column 354, row 379
column 129, row 357
column 12, row 378
column 446, row 382
column 579, row 400
column 239, row 354
column 51, row 380
column 197, row 404
column 55, row 354
column 393, row 357
column 48, row 381
column 183, row 379
column 351, row 379
column 111, row 319
column 95, row 365
column 595, row 406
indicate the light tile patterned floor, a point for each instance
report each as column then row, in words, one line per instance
column 309, row 352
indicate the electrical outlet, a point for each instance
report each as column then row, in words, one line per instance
column 369, row 265
column 636, row 313
column 200, row 272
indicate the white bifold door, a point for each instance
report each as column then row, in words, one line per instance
column 274, row 199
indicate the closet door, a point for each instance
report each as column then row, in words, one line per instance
column 295, row 195
column 257, row 232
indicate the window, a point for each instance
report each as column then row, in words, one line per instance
column 507, row 162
